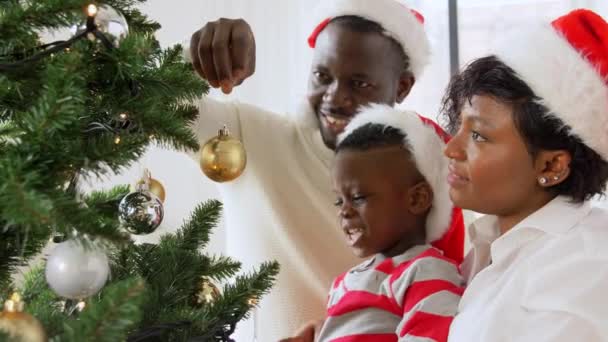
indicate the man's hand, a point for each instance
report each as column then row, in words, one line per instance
column 223, row 53
column 306, row 333
column 297, row 339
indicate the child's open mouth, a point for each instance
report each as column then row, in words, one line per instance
column 353, row 235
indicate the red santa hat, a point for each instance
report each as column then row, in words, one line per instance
column 426, row 141
column 399, row 22
column 565, row 63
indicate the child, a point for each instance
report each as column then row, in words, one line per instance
column 393, row 206
column 531, row 150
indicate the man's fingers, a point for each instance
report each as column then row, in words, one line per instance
column 206, row 54
column 242, row 51
column 194, row 54
column 221, row 54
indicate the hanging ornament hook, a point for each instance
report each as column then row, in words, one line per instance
column 224, row 132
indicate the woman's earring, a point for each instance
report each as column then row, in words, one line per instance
column 556, row 178
column 542, row 180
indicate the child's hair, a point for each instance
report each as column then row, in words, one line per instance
column 489, row 76
column 359, row 24
column 371, row 136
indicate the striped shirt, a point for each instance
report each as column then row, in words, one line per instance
column 412, row 297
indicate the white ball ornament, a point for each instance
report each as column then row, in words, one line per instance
column 76, row 271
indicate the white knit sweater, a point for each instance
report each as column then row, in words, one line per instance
column 281, row 209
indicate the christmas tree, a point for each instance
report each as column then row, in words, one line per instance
column 80, row 108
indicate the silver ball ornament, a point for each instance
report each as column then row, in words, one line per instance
column 76, row 271
column 140, row 212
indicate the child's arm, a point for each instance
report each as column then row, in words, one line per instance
column 428, row 292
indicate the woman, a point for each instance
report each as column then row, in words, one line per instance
column 530, row 149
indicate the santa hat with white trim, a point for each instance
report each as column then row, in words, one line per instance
column 565, row 63
column 399, row 22
column 426, row 141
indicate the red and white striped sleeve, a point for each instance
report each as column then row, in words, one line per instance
column 427, row 289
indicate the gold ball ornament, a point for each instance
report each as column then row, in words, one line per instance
column 208, row 292
column 20, row 326
column 157, row 188
column 154, row 186
column 223, row 157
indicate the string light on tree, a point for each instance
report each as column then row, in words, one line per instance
column 253, row 301
column 223, row 157
column 106, row 20
column 123, row 123
column 103, row 23
column 91, row 10
column 19, row 325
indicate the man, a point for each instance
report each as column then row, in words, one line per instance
column 281, row 207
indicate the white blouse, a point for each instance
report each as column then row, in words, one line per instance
column 547, row 280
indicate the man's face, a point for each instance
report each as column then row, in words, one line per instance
column 351, row 69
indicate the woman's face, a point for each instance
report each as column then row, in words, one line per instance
column 491, row 170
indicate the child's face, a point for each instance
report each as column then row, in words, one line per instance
column 491, row 170
column 376, row 200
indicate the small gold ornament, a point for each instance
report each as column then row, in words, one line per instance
column 208, row 294
column 154, row 186
column 20, row 326
column 157, row 188
column 223, row 157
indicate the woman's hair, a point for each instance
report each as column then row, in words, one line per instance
column 489, row 76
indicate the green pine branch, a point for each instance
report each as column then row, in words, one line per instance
column 42, row 302
column 195, row 232
column 17, row 245
column 113, row 317
column 235, row 303
column 106, row 202
column 60, row 103
column 221, row 268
